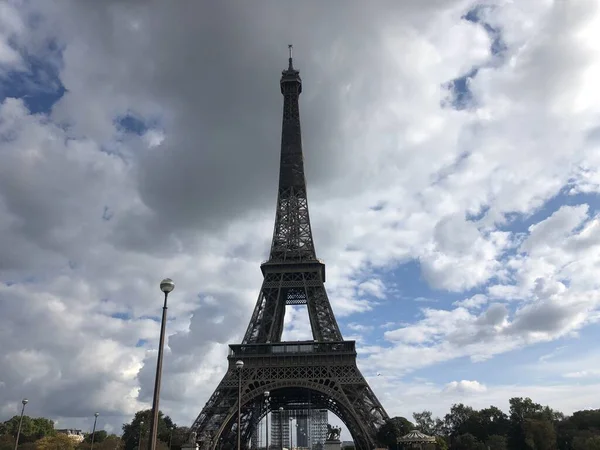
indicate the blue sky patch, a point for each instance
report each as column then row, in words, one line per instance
column 121, row 315
column 39, row 86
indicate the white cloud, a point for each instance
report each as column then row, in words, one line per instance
column 91, row 218
column 465, row 387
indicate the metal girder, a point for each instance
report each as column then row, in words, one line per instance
column 329, row 380
column 304, row 286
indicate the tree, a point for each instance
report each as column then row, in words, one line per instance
column 7, row 442
column 467, row 441
column 539, row 434
column 99, row 436
column 496, row 442
column 43, row 427
column 31, row 429
column 455, row 420
column 586, row 443
column 11, row 427
column 494, row 422
column 441, row 443
column 131, row 431
column 111, row 442
column 586, row 420
column 57, row 442
column 391, row 430
column 522, row 435
column 424, row 422
column 179, row 437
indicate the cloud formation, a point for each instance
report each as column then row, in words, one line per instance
column 461, row 139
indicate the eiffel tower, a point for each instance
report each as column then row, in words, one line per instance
column 321, row 373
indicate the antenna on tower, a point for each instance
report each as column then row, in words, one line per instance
column 290, row 46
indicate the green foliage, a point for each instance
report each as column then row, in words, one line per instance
column 32, row 429
column 441, row 443
column 539, row 434
column 496, row 442
column 391, row 430
column 586, row 443
column 131, row 431
column 179, row 437
column 111, row 442
column 56, row 442
column 99, row 436
column 459, row 420
column 425, row 423
column 528, row 426
column 467, row 441
column 7, row 442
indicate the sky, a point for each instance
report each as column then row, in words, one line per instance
column 452, row 159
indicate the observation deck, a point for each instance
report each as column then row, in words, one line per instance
column 300, row 352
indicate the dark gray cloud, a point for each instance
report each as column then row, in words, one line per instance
column 212, row 69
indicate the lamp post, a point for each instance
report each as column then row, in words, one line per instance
column 267, row 395
column 170, row 436
column 166, row 286
column 96, row 414
column 24, row 402
column 239, row 365
column 140, row 438
column 281, row 426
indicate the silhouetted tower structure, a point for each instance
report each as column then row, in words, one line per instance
column 319, row 374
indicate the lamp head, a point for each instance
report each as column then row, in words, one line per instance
column 24, row 401
column 96, row 414
column 167, row 285
column 239, row 364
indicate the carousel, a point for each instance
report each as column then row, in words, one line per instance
column 416, row 439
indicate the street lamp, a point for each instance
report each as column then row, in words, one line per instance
column 239, row 365
column 140, row 438
column 96, row 414
column 281, row 426
column 267, row 394
column 166, row 286
column 24, row 402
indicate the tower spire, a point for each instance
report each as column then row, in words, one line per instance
column 292, row 237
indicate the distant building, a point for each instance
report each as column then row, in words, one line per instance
column 76, row 435
column 310, row 428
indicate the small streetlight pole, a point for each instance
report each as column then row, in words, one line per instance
column 281, row 426
column 96, row 414
column 166, row 286
column 267, row 394
column 239, row 365
column 24, row 402
column 140, row 438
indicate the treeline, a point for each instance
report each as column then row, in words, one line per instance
column 39, row 434
column 527, row 426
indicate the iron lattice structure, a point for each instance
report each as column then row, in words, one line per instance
column 320, row 374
